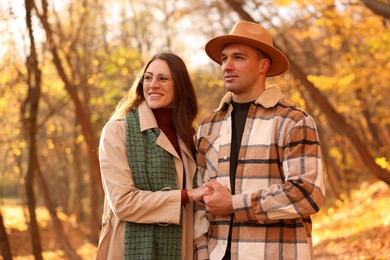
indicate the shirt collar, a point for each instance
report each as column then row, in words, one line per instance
column 269, row 98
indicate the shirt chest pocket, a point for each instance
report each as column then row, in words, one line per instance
column 207, row 157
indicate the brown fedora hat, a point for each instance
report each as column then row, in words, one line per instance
column 254, row 35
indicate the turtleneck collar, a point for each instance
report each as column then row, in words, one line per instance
column 163, row 117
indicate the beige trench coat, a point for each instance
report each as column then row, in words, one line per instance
column 124, row 202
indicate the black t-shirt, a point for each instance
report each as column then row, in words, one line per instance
column 239, row 114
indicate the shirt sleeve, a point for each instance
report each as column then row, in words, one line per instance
column 303, row 189
column 201, row 222
column 126, row 201
column 201, row 227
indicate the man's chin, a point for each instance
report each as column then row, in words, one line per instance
column 231, row 88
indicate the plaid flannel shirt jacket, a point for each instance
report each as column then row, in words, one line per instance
column 279, row 181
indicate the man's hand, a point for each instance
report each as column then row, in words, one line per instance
column 220, row 201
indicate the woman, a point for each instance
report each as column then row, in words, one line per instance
column 147, row 166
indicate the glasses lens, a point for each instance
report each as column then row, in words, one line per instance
column 147, row 78
column 163, row 79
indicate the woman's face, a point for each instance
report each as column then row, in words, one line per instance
column 158, row 85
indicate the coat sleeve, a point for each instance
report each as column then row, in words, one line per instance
column 201, row 226
column 303, row 189
column 126, row 201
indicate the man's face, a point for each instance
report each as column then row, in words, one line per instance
column 242, row 70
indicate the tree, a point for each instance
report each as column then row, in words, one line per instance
column 30, row 111
column 84, row 119
column 29, row 114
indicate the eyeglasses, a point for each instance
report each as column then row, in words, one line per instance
column 147, row 78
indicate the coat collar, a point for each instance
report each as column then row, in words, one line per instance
column 148, row 121
column 146, row 117
column 269, row 98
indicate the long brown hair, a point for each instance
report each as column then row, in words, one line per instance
column 185, row 104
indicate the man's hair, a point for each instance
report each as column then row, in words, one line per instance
column 261, row 55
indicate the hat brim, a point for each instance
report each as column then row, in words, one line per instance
column 279, row 62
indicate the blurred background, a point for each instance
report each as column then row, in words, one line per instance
column 64, row 65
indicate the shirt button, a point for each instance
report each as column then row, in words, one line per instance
column 225, row 157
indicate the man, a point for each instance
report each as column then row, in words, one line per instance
column 260, row 155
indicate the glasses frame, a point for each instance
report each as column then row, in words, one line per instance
column 159, row 80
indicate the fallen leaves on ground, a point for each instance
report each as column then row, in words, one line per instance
column 19, row 237
column 354, row 227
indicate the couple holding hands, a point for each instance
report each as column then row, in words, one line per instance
column 245, row 189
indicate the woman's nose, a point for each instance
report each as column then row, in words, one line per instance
column 154, row 82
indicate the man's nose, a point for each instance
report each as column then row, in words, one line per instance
column 227, row 65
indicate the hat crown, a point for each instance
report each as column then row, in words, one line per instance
column 253, row 31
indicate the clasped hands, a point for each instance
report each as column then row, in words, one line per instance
column 217, row 198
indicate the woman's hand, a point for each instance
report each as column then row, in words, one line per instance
column 198, row 193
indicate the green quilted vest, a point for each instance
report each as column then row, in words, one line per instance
column 152, row 169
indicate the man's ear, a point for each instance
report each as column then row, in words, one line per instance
column 265, row 64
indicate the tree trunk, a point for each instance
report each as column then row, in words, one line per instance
column 32, row 219
column 86, row 126
column 29, row 113
column 337, row 120
column 74, row 203
column 4, row 244
column 378, row 7
column 63, row 240
column 372, row 128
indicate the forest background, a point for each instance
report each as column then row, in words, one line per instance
column 66, row 64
